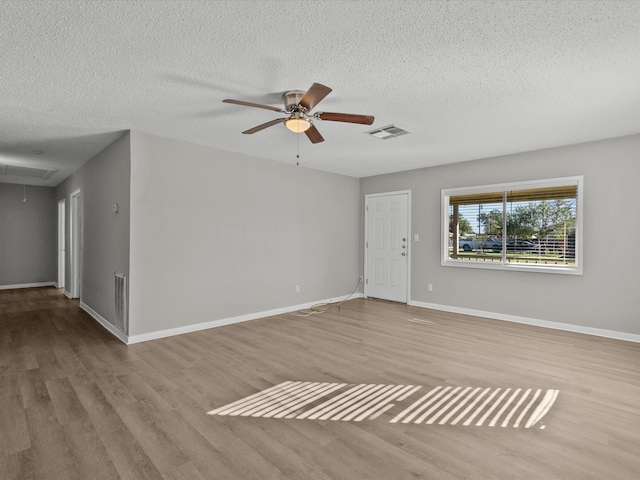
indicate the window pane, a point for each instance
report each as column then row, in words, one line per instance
column 479, row 222
column 541, row 226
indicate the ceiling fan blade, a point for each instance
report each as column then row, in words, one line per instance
column 345, row 117
column 313, row 134
column 265, row 125
column 314, row 95
column 250, row 104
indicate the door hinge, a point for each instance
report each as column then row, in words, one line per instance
column 366, row 281
column 366, row 244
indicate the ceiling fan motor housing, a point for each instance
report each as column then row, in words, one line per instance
column 292, row 100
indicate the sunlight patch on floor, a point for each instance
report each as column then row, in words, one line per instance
column 441, row 405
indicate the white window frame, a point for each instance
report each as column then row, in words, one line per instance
column 576, row 269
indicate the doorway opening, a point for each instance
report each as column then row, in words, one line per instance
column 76, row 244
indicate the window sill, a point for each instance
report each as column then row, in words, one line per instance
column 514, row 267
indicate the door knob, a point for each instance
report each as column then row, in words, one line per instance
column 403, row 254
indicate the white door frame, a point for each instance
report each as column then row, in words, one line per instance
column 75, row 246
column 62, row 205
column 409, row 238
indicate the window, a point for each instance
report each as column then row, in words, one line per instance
column 533, row 226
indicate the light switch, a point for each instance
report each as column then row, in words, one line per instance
column 416, row 237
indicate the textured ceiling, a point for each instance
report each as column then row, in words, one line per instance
column 468, row 79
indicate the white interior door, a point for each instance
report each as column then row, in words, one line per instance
column 61, row 242
column 387, row 246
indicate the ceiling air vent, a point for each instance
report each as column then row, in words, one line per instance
column 390, row 131
column 17, row 171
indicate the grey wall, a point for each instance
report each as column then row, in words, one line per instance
column 28, row 235
column 103, row 181
column 604, row 297
column 216, row 235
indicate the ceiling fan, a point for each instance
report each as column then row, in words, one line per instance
column 298, row 105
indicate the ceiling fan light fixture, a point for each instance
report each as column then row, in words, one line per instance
column 298, row 124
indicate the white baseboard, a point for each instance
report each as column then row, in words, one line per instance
column 67, row 294
column 567, row 327
column 28, row 285
column 170, row 332
column 103, row 321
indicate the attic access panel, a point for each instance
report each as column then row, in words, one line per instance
column 26, row 172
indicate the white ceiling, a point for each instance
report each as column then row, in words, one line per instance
column 468, row 79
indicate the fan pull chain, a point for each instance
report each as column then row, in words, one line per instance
column 298, row 151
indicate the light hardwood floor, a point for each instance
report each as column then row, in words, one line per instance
column 78, row 404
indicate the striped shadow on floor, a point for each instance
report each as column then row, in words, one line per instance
column 466, row 406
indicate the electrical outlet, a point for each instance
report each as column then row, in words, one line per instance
column 430, row 288
column 297, row 288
